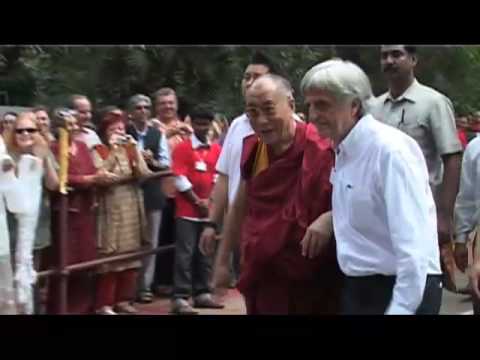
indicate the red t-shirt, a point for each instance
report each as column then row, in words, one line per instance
column 185, row 161
column 462, row 136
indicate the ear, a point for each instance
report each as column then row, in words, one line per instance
column 291, row 103
column 356, row 108
column 414, row 60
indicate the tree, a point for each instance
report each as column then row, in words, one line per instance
column 206, row 74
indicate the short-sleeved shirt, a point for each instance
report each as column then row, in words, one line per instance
column 230, row 157
column 89, row 137
column 428, row 117
column 187, row 158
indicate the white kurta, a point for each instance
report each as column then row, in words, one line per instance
column 20, row 196
column 13, row 199
column 30, row 175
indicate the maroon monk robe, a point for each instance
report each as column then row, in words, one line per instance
column 81, row 237
column 282, row 201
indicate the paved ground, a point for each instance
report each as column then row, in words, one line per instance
column 456, row 304
column 234, row 305
column 452, row 304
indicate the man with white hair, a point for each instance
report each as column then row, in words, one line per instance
column 383, row 212
column 153, row 146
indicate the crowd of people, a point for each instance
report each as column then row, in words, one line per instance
column 362, row 206
column 115, row 201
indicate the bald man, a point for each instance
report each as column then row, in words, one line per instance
column 284, row 165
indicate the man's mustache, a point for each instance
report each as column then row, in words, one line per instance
column 389, row 68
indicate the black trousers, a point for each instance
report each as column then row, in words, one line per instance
column 192, row 269
column 371, row 295
column 476, row 306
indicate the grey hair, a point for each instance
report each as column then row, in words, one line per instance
column 281, row 83
column 343, row 79
column 135, row 99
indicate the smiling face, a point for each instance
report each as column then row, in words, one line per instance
column 43, row 120
column 25, row 130
column 83, row 108
column 8, row 121
column 270, row 111
column 332, row 118
column 166, row 107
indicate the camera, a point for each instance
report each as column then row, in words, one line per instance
column 123, row 140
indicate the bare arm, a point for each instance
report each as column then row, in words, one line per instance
column 219, row 199
column 231, row 238
column 233, row 223
column 475, row 278
column 446, row 203
column 51, row 176
column 219, row 203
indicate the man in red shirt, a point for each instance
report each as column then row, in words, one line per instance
column 193, row 162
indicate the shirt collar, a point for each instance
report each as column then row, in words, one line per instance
column 410, row 94
column 196, row 143
column 143, row 133
column 355, row 142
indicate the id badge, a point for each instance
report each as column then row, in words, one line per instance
column 201, row 166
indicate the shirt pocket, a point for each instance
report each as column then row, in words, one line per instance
column 360, row 205
column 414, row 127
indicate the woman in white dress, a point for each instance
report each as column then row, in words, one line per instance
column 34, row 167
column 13, row 199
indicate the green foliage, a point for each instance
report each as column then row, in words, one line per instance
column 206, row 74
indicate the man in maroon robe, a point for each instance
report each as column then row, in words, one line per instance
column 285, row 187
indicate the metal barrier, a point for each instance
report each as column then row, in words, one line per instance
column 63, row 270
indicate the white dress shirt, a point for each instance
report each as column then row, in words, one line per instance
column 163, row 150
column 2, row 146
column 384, row 214
column 468, row 199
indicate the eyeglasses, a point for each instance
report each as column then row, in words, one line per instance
column 28, row 130
column 140, row 107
